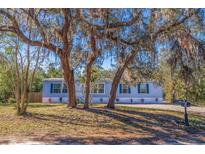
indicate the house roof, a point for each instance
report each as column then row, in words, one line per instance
column 54, row 79
column 62, row 79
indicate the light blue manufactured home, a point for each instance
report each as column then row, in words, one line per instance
column 55, row 91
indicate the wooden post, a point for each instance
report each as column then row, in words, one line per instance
column 186, row 119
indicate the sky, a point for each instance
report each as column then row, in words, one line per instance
column 107, row 63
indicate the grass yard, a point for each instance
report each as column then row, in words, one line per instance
column 57, row 124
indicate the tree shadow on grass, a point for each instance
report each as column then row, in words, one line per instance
column 163, row 128
column 43, row 105
column 168, row 124
column 103, row 141
column 165, row 119
column 60, row 120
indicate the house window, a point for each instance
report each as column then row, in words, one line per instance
column 56, row 88
column 125, row 89
column 143, row 88
column 99, row 89
column 64, row 88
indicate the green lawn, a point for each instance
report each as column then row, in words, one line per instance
column 57, row 124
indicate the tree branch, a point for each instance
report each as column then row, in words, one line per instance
column 108, row 25
column 65, row 29
column 31, row 14
column 148, row 37
column 173, row 25
column 15, row 29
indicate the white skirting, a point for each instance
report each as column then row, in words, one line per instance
column 129, row 100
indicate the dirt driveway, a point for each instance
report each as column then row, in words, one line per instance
column 192, row 109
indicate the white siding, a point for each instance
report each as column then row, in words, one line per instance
column 154, row 95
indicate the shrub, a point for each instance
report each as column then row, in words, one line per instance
column 11, row 100
column 80, row 101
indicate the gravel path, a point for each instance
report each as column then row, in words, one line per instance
column 192, row 109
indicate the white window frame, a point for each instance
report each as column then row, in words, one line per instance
column 125, row 88
column 143, row 84
column 53, row 90
column 98, row 88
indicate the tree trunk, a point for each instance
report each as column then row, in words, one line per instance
column 116, row 80
column 32, row 78
column 87, row 86
column 18, row 108
column 173, row 99
column 17, row 83
column 68, row 75
column 173, row 86
column 71, row 90
column 113, row 92
column 91, row 59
